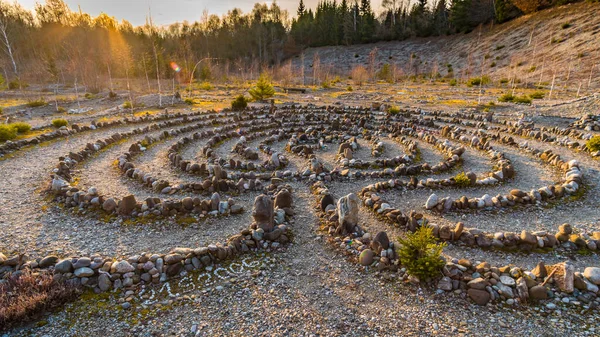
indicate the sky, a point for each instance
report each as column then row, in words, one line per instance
column 165, row 12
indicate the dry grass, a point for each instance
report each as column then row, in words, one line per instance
column 27, row 295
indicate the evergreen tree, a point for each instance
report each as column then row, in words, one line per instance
column 301, row 9
column 367, row 22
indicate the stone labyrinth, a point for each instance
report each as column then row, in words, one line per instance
column 486, row 186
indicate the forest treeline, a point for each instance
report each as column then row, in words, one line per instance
column 56, row 44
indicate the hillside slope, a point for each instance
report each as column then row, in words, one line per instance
column 561, row 43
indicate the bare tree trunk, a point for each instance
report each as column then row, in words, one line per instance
column 110, row 77
column 9, row 49
column 146, row 71
column 77, row 94
column 129, row 89
column 157, row 75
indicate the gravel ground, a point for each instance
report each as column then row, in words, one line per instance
column 308, row 288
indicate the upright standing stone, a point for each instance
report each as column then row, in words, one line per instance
column 263, row 212
column 347, row 210
column 283, row 199
column 127, row 205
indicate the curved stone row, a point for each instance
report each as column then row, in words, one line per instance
column 72, row 196
column 588, row 123
column 526, row 130
column 525, row 241
column 341, row 223
column 12, row 146
column 480, row 282
column 269, row 231
column 219, row 182
column 346, row 160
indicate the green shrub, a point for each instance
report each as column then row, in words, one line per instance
column 537, row 95
column 57, row 123
column 2, row 82
column 462, row 180
column 36, row 103
column 21, row 127
column 493, row 64
column 325, row 85
column 532, row 69
column 1, row 110
column 385, row 73
column 239, row 103
column 453, row 82
column 89, row 95
column 61, row 110
column 127, row 105
column 522, row 100
column 13, row 85
column 421, row 254
column 112, row 94
column 565, row 25
column 393, row 110
column 498, row 47
column 7, row 132
column 508, row 97
column 593, row 144
column 504, row 80
column 189, row 101
column 349, row 88
column 263, row 89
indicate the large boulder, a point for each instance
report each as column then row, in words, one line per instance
column 263, row 212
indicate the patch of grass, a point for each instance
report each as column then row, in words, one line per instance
column 532, row 69
column 565, row 25
column 59, row 122
column 127, row 105
column 420, row 253
column 504, row 80
column 349, row 88
column 522, row 100
column 537, row 95
column 479, row 81
column 393, row 110
column 36, row 103
column 61, row 110
column 499, row 47
column 206, row 86
column 89, row 95
column 462, row 180
column 493, row 64
column 26, row 296
column 453, row 82
column 593, row 144
column 21, row 127
column 7, row 132
column 508, row 97
column 189, row 101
